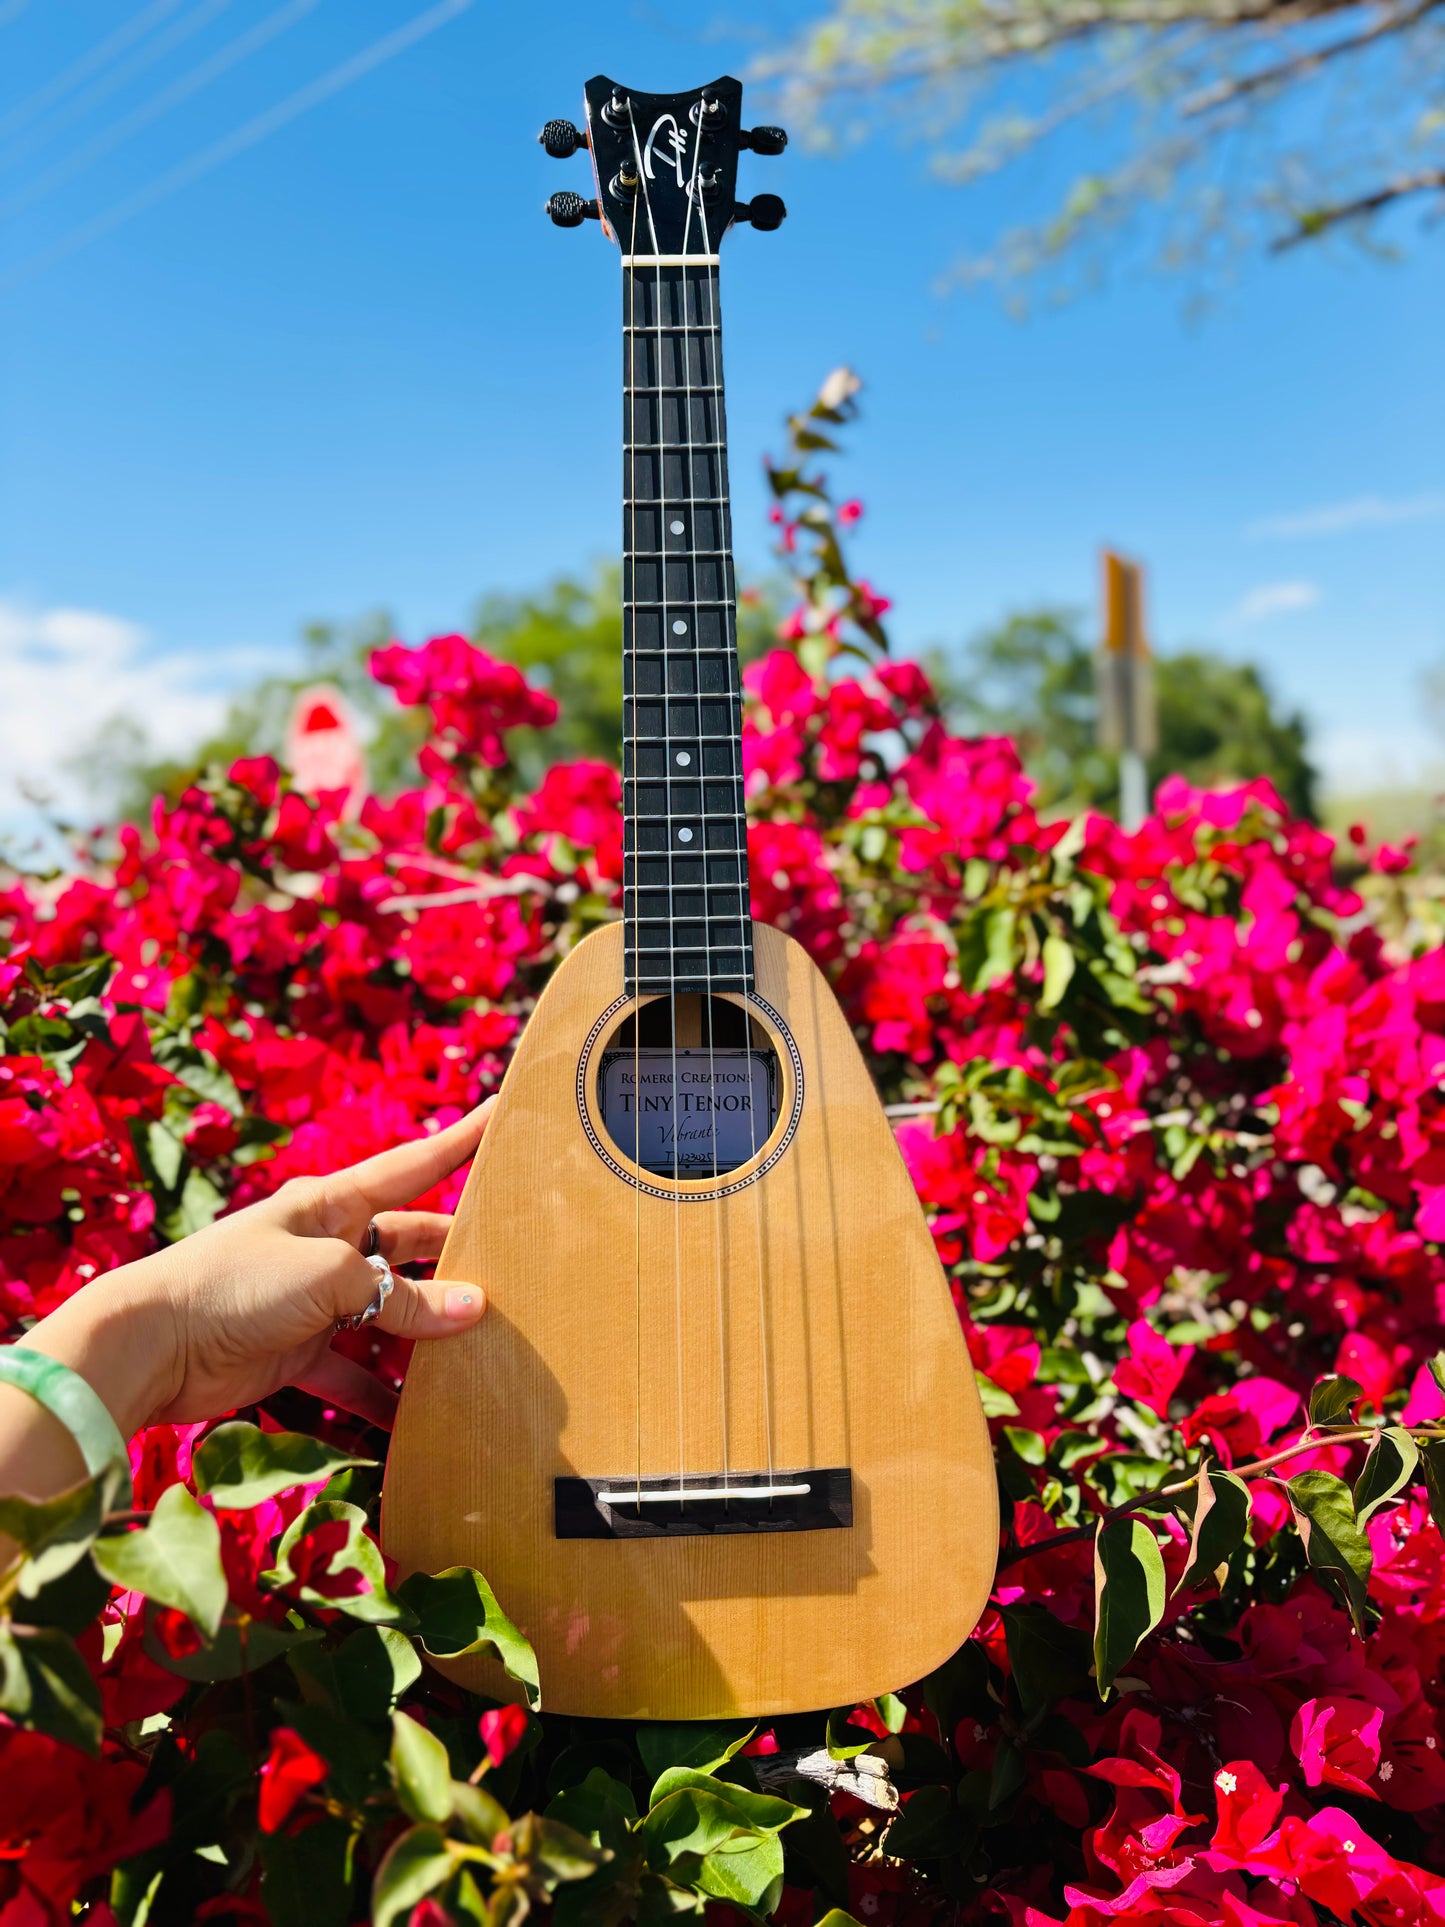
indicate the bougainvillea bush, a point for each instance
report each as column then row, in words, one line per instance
column 1173, row 1105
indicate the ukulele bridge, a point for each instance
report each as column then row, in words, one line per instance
column 700, row 1505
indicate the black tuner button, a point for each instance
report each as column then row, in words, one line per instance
column 762, row 140
column 570, row 210
column 765, row 211
column 561, row 139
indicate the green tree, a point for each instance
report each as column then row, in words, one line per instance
column 1032, row 678
column 566, row 637
column 1215, row 125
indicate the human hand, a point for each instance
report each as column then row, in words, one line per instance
column 230, row 1314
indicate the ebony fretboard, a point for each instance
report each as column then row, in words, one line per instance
column 686, row 867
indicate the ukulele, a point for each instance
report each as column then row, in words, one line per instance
column 716, row 1444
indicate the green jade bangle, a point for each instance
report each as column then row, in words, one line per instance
column 77, row 1405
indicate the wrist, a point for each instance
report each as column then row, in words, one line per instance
column 119, row 1334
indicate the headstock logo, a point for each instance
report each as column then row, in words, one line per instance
column 673, row 151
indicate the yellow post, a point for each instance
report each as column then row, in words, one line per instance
column 1128, row 721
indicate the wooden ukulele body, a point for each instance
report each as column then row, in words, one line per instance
column 800, row 1320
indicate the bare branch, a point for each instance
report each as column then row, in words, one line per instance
column 1285, row 72
column 1430, row 180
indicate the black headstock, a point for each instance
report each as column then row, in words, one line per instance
column 665, row 167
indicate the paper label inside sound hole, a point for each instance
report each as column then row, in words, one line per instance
column 693, row 1111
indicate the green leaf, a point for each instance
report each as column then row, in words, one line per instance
column 996, row 1402
column 762, row 1811
column 1128, row 1594
column 199, row 1204
column 175, row 1560
column 1432, row 1458
column 480, row 1816
column 1324, row 1510
column 689, row 1822
column 835, row 1917
column 161, row 1154
column 46, row 1685
column 241, row 1646
column 1058, row 971
column 69, row 1603
column 55, row 1534
column 747, row 1872
column 1048, row 1660
column 1332, row 1398
column 420, row 1769
column 1437, row 1369
column 1221, row 1519
column 843, row 1739
column 457, row 1612
column 998, row 947
column 239, row 1465
column 891, row 1709
column 363, row 1677
column 556, row 1851
column 419, row 1862
column 1388, row 1469
column 601, row 1808
column 926, row 1828
column 701, row 1746
column 306, row 1877
column 358, row 1553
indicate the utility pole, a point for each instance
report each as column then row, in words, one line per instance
column 1128, row 714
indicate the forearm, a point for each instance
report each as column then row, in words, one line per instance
column 118, row 1334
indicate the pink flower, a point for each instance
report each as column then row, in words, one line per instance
column 288, row 1773
column 501, row 1728
column 1151, row 1367
column 1337, row 1741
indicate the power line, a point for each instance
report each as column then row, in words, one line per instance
column 83, row 68
column 249, row 135
column 103, row 88
column 179, row 90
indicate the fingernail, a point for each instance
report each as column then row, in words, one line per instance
column 463, row 1302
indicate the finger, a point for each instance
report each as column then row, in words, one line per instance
column 393, row 1178
column 439, row 1308
column 342, row 1381
column 411, row 1237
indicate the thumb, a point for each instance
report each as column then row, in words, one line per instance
column 434, row 1308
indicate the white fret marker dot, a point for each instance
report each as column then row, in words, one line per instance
column 684, row 758
column 684, row 836
column 676, row 527
column 679, row 628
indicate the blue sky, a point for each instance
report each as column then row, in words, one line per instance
column 284, row 334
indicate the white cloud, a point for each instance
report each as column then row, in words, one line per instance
column 1360, row 512
column 64, row 673
column 1268, row 599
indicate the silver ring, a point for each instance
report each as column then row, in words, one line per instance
column 385, row 1284
column 372, row 1242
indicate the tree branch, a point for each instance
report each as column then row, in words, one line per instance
column 1283, row 72
column 1177, row 1487
column 1430, row 180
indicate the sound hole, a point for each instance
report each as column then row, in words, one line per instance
column 689, row 1087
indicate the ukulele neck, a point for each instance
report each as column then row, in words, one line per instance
column 685, row 878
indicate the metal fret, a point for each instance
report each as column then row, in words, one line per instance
column 685, row 904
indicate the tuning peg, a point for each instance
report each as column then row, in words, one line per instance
column 561, row 139
column 765, row 211
column 763, row 140
column 570, row 210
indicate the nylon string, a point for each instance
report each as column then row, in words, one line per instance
column 745, row 910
